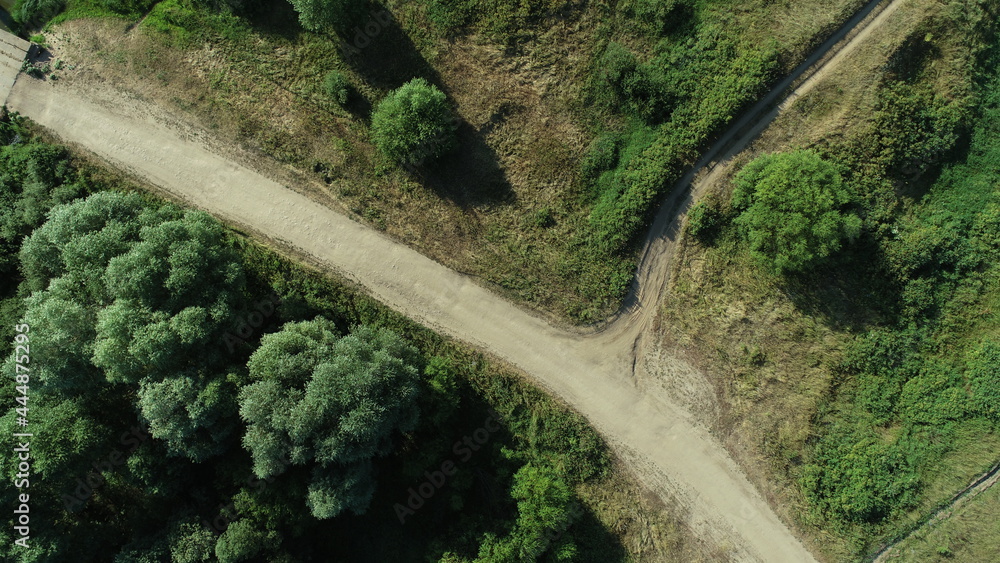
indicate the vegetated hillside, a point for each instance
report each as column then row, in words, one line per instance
column 860, row 385
column 195, row 397
column 571, row 118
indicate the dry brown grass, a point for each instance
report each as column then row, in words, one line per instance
column 525, row 127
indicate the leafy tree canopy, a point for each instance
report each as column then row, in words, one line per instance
column 414, row 123
column 793, row 209
column 132, row 294
column 322, row 15
column 331, row 402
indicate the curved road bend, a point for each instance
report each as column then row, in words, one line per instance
column 674, row 456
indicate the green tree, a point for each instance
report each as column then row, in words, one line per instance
column 164, row 284
column 792, row 209
column 190, row 542
column 545, row 506
column 333, row 403
column 414, row 124
column 61, row 353
column 242, row 541
column 337, row 87
column 77, row 242
column 323, row 15
column 191, row 413
column 138, row 294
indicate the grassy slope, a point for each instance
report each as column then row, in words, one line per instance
column 775, row 344
column 511, row 208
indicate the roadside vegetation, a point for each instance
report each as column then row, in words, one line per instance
column 866, row 380
column 571, row 120
column 203, row 399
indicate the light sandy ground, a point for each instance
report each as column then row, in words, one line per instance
column 599, row 373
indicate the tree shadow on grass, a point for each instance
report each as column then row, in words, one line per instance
column 384, row 58
column 418, row 509
column 470, row 176
column 382, row 54
column 852, row 292
column 273, row 18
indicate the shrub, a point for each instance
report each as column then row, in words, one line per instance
column 320, row 15
column 337, row 87
column 792, row 209
column 34, row 14
column 414, row 123
column 626, row 85
column 705, row 219
column 855, row 477
column 602, row 155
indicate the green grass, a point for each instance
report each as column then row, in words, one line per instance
column 851, row 381
column 970, row 534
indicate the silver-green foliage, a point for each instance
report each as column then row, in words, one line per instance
column 329, row 402
column 136, row 294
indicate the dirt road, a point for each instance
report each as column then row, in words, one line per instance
column 964, row 497
column 596, row 372
column 591, row 373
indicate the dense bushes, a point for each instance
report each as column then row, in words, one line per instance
column 414, row 124
column 857, row 477
column 907, row 389
column 705, row 219
column 699, row 85
column 792, row 210
column 633, row 88
column 984, row 380
column 33, row 179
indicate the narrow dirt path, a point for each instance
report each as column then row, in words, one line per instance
column 652, row 277
column 965, row 496
column 594, row 372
